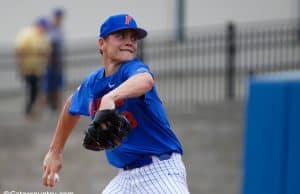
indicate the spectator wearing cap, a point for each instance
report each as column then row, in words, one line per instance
column 54, row 76
column 32, row 55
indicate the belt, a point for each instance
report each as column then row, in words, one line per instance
column 146, row 161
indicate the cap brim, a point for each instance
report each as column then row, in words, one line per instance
column 141, row 33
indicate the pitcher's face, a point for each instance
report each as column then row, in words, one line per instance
column 119, row 46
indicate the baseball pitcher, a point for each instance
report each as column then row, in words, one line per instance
column 128, row 120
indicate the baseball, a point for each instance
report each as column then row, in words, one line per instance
column 56, row 177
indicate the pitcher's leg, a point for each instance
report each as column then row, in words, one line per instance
column 167, row 176
column 119, row 184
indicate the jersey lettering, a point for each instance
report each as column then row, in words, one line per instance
column 130, row 118
column 94, row 106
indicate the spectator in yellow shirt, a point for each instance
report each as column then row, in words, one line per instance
column 32, row 55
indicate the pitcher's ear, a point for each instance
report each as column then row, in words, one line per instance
column 100, row 45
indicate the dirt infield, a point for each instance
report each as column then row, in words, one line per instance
column 212, row 141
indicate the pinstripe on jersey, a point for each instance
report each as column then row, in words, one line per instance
column 167, row 176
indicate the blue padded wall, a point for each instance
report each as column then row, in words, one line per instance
column 271, row 148
column 293, row 161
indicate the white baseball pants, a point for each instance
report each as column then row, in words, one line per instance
column 166, row 176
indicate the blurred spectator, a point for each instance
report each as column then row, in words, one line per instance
column 54, row 76
column 32, row 55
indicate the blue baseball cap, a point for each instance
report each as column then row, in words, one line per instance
column 58, row 12
column 43, row 22
column 120, row 22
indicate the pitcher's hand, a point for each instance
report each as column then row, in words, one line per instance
column 52, row 164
